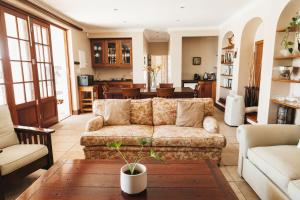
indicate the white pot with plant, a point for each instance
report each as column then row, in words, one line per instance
column 133, row 175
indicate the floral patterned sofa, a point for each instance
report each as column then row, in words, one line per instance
column 156, row 120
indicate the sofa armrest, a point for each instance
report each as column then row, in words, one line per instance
column 266, row 135
column 94, row 124
column 210, row 124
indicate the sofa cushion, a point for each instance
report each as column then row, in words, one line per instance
column 18, row 156
column 164, row 111
column 190, row 114
column 294, row 189
column 117, row 112
column 127, row 134
column 141, row 112
column 171, row 135
column 280, row 163
column 8, row 137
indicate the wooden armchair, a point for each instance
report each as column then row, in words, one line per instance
column 131, row 93
column 24, row 150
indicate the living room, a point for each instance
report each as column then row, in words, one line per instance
column 186, row 100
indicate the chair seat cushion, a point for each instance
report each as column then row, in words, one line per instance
column 294, row 189
column 18, row 156
column 171, row 135
column 280, row 163
column 127, row 134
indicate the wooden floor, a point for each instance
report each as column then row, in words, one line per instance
column 66, row 146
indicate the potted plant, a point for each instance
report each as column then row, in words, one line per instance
column 288, row 46
column 133, row 175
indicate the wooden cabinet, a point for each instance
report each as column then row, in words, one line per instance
column 111, row 52
column 87, row 94
column 112, row 84
column 206, row 89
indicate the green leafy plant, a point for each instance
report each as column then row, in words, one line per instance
column 140, row 156
column 294, row 25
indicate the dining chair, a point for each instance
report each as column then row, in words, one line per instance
column 131, row 93
column 165, row 92
column 166, row 85
column 105, row 89
column 139, row 85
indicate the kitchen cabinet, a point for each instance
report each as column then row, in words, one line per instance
column 110, row 53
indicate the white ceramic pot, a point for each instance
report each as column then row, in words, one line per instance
column 285, row 52
column 134, row 184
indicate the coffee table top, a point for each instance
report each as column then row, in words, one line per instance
column 97, row 179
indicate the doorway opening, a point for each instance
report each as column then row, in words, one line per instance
column 61, row 71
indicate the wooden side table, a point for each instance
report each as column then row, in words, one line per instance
column 87, row 94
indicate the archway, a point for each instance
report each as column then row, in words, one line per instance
column 251, row 54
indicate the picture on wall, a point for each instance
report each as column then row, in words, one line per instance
column 196, row 60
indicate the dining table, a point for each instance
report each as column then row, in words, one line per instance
column 179, row 92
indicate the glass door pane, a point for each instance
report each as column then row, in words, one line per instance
column 43, row 59
column 20, row 58
column 126, row 52
column 112, row 52
column 98, row 52
column 2, row 86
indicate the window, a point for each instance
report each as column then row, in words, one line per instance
column 43, row 59
column 20, row 59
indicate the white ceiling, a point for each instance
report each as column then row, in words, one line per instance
column 147, row 13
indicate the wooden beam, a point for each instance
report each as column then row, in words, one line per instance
column 41, row 10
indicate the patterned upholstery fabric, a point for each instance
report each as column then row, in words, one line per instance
column 141, row 112
column 127, row 134
column 166, row 153
column 168, row 136
column 164, row 111
column 95, row 124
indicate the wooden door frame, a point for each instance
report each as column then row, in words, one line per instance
column 257, row 43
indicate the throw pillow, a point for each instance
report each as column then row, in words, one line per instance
column 210, row 124
column 141, row 112
column 117, row 112
column 164, row 111
column 190, row 114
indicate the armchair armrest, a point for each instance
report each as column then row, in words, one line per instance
column 94, row 124
column 33, row 130
column 210, row 124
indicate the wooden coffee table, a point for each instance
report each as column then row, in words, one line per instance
column 96, row 179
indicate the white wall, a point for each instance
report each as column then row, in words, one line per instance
column 136, row 73
column 158, row 48
column 204, row 47
column 175, row 50
column 269, row 11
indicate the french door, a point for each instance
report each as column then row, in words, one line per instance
column 28, row 69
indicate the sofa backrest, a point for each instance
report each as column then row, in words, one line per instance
column 163, row 110
column 8, row 137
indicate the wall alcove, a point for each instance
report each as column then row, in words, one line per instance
column 285, row 87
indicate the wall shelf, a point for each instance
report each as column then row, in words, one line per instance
column 226, row 75
column 287, row 57
column 287, row 103
column 286, row 81
column 228, row 88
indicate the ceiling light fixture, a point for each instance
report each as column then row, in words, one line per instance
column 115, row 9
column 124, row 21
column 177, row 20
column 182, row 7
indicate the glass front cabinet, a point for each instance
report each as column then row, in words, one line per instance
column 111, row 52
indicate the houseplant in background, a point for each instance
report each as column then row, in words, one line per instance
column 153, row 71
column 133, row 175
column 287, row 45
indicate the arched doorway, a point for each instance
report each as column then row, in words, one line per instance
column 251, row 54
